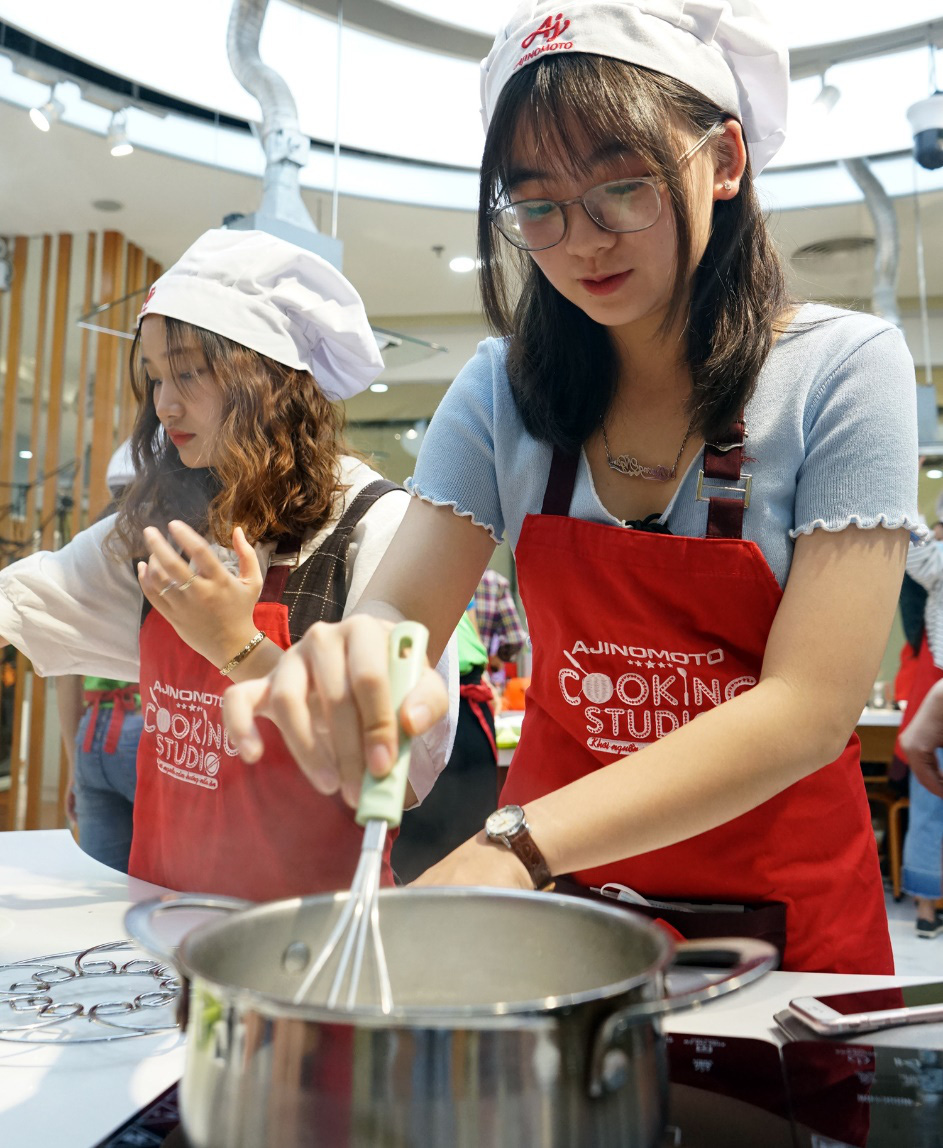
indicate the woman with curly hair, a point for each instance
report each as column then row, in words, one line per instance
column 248, row 522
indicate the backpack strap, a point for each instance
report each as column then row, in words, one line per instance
column 316, row 591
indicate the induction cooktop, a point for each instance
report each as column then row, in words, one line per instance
column 739, row 1093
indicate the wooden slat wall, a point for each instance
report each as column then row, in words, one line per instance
column 81, row 408
column 106, row 361
column 81, row 396
column 10, row 385
column 36, row 512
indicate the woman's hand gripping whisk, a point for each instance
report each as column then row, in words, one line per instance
column 380, row 808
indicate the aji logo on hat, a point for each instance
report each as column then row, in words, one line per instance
column 728, row 50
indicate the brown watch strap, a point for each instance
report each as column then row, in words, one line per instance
column 524, row 848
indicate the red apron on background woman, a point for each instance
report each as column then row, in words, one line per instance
column 925, row 676
column 636, row 633
column 204, row 820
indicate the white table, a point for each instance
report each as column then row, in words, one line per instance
column 55, row 898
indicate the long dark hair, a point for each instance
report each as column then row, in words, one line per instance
column 561, row 364
column 275, row 470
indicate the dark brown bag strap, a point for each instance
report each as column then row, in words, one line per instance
column 316, row 591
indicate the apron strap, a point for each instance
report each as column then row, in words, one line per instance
column 478, row 695
column 560, row 483
column 123, row 701
column 277, row 576
column 723, row 462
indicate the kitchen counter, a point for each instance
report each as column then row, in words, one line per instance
column 54, row 898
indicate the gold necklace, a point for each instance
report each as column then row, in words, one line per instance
column 629, row 465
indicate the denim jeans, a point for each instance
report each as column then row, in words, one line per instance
column 923, row 847
column 104, row 788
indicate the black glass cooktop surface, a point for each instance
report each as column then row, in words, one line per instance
column 731, row 1092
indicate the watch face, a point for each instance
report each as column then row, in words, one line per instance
column 505, row 821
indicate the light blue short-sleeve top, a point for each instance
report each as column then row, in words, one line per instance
column 832, row 441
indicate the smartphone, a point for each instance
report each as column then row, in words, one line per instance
column 867, row 1011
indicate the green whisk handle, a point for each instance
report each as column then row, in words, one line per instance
column 382, row 800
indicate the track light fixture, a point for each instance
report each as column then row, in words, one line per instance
column 826, row 100
column 44, row 117
column 118, row 140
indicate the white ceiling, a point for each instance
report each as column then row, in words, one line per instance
column 803, row 21
column 49, row 182
column 398, row 98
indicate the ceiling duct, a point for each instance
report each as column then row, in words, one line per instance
column 887, row 239
column 282, row 211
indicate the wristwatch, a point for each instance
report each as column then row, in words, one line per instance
column 508, row 826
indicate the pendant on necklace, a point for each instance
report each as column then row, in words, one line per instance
column 629, row 465
column 657, row 473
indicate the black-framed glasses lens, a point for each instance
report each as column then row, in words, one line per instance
column 621, row 205
column 532, row 224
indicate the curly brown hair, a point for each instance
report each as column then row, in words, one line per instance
column 276, row 470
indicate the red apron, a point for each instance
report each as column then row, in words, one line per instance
column 635, row 634
column 204, row 820
column 926, row 675
column 122, row 701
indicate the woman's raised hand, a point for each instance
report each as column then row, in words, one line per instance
column 330, row 697
column 210, row 608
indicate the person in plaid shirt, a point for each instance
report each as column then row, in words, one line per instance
column 498, row 621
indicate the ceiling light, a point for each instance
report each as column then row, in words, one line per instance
column 26, row 454
column 935, row 474
column 379, row 388
column 48, row 114
column 118, row 134
column 412, row 433
column 462, row 264
column 826, row 100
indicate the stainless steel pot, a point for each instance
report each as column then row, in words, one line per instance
column 521, row 1019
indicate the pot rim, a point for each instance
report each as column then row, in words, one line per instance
column 499, row 1014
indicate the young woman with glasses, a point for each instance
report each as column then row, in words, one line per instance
column 708, row 490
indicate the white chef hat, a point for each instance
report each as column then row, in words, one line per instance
column 277, row 298
column 727, row 50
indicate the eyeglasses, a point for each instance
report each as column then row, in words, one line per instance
column 622, row 205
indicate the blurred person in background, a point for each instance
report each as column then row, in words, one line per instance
column 100, row 723
column 498, row 621
column 919, row 741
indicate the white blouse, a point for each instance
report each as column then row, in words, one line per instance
column 78, row 610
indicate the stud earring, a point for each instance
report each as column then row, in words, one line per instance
column 727, row 185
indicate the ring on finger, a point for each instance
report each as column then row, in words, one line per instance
column 170, row 586
column 189, row 582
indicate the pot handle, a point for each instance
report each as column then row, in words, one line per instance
column 139, row 919
column 746, row 958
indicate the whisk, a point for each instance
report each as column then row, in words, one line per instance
column 380, row 808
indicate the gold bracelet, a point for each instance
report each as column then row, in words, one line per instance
column 243, row 654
